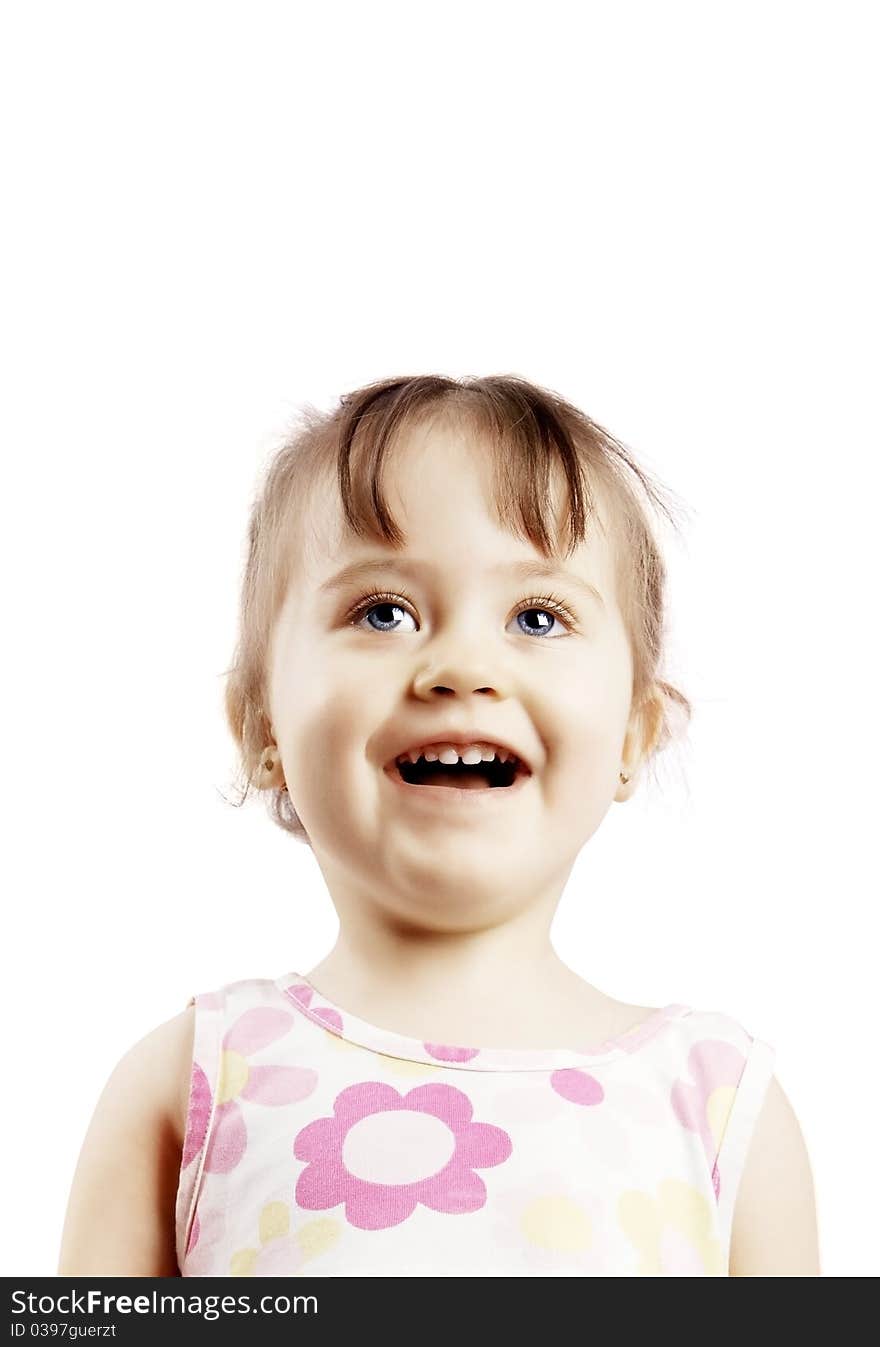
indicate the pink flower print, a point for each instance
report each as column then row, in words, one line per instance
column 447, row 1052
column 382, row 1153
column 704, row 1107
column 327, row 1014
column 198, row 1115
column 578, row 1086
column 241, row 1079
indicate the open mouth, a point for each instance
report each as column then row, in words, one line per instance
column 493, row 775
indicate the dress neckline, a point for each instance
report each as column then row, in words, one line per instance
column 315, row 1006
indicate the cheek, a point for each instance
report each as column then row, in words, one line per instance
column 579, row 786
column 589, row 705
column 325, row 729
column 316, row 701
column 584, row 731
column 326, row 736
column 582, row 769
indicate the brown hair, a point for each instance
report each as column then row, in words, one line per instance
column 529, row 430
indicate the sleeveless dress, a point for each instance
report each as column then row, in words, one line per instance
column 318, row 1144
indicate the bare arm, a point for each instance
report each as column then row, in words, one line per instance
column 774, row 1230
column 120, row 1213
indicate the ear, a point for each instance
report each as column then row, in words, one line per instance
column 642, row 734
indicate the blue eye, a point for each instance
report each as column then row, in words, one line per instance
column 388, row 607
column 393, row 604
column 545, row 612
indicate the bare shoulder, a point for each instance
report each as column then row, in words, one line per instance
column 155, row 1073
column 132, row 1150
column 169, row 1059
column 774, row 1232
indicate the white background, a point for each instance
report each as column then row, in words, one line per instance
column 216, row 213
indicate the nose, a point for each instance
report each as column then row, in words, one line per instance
column 461, row 676
column 462, row 658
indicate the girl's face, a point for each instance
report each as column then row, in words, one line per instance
column 459, row 641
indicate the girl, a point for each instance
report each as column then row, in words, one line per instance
column 447, row 670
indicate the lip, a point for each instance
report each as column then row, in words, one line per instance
column 451, row 797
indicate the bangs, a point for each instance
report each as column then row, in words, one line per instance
column 531, row 446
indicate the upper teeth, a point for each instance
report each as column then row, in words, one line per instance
column 449, row 754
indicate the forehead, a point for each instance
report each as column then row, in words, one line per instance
column 439, row 483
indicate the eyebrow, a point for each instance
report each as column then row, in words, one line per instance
column 520, row 570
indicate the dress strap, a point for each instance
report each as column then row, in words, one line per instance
column 204, row 1089
column 733, row 1149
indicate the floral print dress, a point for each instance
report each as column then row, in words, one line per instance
column 318, row 1144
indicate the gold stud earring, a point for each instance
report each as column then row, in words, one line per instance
column 624, row 779
column 269, row 759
